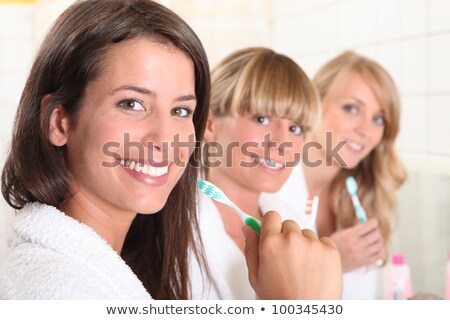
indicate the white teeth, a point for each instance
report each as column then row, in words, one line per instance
column 355, row 146
column 152, row 171
column 145, row 169
column 271, row 164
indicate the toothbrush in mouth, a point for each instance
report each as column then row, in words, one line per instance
column 216, row 194
column 352, row 189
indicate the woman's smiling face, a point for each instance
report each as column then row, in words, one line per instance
column 130, row 116
column 354, row 116
column 258, row 151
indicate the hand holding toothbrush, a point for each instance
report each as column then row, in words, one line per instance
column 363, row 243
column 359, row 245
column 285, row 262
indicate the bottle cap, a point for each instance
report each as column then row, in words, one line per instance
column 398, row 259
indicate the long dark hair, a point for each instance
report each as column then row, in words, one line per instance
column 72, row 55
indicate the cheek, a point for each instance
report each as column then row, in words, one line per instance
column 378, row 137
column 90, row 139
column 183, row 141
column 336, row 120
column 298, row 144
column 252, row 136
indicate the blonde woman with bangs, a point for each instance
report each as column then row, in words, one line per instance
column 262, row 103
column 361, row 114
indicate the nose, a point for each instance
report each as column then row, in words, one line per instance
column 281, row 140
column 158, row 134
column 364, row 126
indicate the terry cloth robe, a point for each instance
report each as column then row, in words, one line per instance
column 53, row 256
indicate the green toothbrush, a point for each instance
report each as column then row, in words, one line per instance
column 216, row 194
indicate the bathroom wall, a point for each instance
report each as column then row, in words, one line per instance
column 226, row 25
column 16, row 52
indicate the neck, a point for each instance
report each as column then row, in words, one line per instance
column 319, row 178
column 246, row 199
column 110, row 223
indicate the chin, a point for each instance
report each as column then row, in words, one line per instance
column 271, row 188
column 351, row 164
column 149, row 207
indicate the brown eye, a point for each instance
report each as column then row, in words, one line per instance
column 181, row 112
column 131, row 104
column 296, row 129
column 262, row 120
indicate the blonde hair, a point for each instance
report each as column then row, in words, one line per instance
column 263, row 82
column 381, row 172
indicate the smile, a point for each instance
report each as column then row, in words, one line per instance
column 146, row 169
column 354, row 145
column 271, row 164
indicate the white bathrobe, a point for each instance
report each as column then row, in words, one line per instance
column 53, row 256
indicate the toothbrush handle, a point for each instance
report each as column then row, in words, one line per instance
column 253, row 223
column 248, row 220
column 360, row 213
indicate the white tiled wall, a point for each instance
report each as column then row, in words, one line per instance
column 226, row 25
column 16, row 52
column 423, row 232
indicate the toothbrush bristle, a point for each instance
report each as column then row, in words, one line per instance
column 201, row 184
column 209, row 190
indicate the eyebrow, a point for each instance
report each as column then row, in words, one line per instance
column 361, row 102
column 150, row 93
column 356, row 99
column 186, row 98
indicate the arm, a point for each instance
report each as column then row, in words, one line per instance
column 285, row 262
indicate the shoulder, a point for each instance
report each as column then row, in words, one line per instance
column 33, row 272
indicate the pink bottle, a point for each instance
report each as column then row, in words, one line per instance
column 399, row 279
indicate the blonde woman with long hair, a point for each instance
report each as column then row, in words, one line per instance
column 361, row 113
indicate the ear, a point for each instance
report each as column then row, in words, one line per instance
column 58, row 125
column 210, row 131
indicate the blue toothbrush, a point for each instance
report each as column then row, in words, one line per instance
column 352, row 189
column 216, row 194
